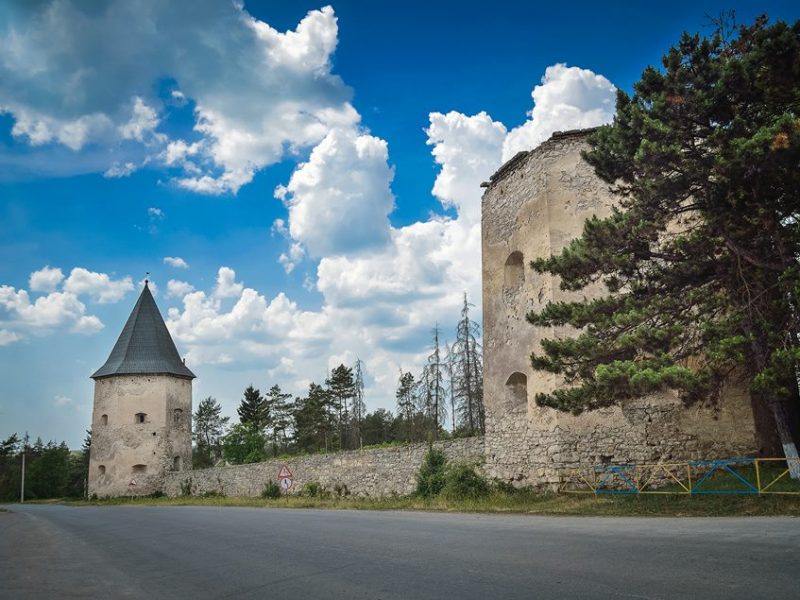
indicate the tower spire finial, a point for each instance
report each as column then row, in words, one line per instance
column 146, row 278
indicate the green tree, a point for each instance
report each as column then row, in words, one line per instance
column 406, row 396
column 209, row 429
column 48, row 473
column 314, row 420
column 280, row 410
column 341, row 390
column 431, row 475
column 701, row 256
column 244, row 444
column 253, row 409
column 79, row 469
column 378, row 427
column 10, row 467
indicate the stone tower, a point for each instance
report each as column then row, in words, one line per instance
column 141, row 421
column 532, row 207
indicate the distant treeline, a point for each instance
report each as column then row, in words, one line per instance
column 51, row 470
column 332, row 416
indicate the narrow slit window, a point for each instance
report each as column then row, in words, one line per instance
column 101, row 469
column 140, row 418
column 176, row 463
column 104, row 420
column 177, row 417
column 139, row 469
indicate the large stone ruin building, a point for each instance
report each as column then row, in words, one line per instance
column 142, row 417
column 532, row 207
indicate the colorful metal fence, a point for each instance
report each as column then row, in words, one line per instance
column 753, row 476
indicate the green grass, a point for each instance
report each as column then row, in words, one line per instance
column 521, row 502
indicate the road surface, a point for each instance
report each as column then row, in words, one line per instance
column 50, row 551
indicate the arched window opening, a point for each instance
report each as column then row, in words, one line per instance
column 139, row 469
column 104, row 420
column 517, row 388
column 177, row 417
column 176, row 463
column 140, row 418
column 101, row 469
column 514, row 274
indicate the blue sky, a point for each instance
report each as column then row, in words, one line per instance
column 316, row 169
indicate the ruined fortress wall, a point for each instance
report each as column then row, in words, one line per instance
column 376, row 472
column 533, row 206
column 124, row 450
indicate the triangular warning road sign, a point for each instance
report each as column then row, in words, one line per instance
column 285, row 473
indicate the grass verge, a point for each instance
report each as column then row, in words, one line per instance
column 521, row 502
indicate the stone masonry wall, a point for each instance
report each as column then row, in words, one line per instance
column 376, row 472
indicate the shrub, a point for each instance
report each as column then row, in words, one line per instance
column 313, row 489
column 271, row 490
column 504, row 487
column 462, row 482
column 431, row 476
column 341, row 489
column 186, row 487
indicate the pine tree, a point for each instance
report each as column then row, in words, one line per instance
column 406, row 405
column 468, row 374
column 252, row 409
column 314, row 420
column 701, row 257
column 209, row 429
column 280, row 411
column 341, row 388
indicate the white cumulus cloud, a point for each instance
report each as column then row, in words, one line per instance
column 99, row 286
column 227, row 286
column 567, row 98
column 118, row 170
column 339, row 201
column 178, row 289
column 80, row 78
column 468, row 149
column 176, row 261
column 8, row 337
column 46, row 279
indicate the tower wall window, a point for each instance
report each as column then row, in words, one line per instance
column 140, row 418
column 104, row 420
column 517, row 388
column 514, row 273
column 101, row 469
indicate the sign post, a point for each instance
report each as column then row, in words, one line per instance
column 285, row 480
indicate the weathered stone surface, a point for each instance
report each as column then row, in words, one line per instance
column 533, row 207
column 124, row 450
column 377, row 472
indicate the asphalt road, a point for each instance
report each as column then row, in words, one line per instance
column 49, row 551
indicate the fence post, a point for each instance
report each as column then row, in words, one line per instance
column 758, row 476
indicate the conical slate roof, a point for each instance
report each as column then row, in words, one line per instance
column 145, row 345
